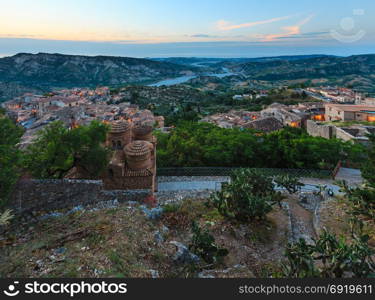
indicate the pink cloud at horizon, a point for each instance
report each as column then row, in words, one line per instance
column 289, row 30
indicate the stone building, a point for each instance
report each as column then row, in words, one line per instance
column 338, row 112
column 267, row 124
column 288, row 116
column 133, row 163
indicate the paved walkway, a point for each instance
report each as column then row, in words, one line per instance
column 352, row 176
column 212, row 183
column 189, row 185
column 199, row 183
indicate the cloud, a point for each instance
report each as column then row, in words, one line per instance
column 289, row 30
column 20, row 36
column 201, row 35
column 307, row 35
column 224, row 25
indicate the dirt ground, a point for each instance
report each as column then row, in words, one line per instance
column 124, row 242
column 120, row 242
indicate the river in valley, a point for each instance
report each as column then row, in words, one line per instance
column 182, row 79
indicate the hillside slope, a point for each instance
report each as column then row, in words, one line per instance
column 45, row 71
column 309, row 68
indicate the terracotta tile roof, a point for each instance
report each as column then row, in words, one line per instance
column 352, row 108
column 119, row 126
column 138, row 148
column 267, row 124
column 138, row 173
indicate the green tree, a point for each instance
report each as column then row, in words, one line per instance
column 250, row 195
column 10, row 157
column 58, row 149
column 194, row 144
column 329, row 257
column 368, row 168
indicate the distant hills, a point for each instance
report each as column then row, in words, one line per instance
column 42, row 71
column 313, row 67
column 209, row 61
column 356, row 71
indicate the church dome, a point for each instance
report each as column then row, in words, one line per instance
column 119, row 126
column 137, row 148
column 142, row 131
column 138, row 155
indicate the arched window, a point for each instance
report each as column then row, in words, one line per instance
column 111, row 173
column 113, row 145
column 119, row 145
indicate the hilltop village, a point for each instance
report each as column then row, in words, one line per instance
column 162, row 191
column 73, row 107
column 336, row 112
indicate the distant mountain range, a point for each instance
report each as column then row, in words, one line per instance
column 43, row 71
column 209, row 61
column 356, row 71
column 313, row 67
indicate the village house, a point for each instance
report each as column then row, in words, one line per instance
column 232, row 118
column 337, row 112
column 267, row 124
column 337, row 94
column 287, row 115
column 368, row 101
column 355, row 133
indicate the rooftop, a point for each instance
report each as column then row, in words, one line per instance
column 352, row 108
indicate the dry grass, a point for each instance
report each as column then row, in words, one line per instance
column 335, row 217
column 106, row 243
column 120, row 242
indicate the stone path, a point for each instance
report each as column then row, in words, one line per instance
column 352, row 176
column 301, row 222
column 213, row 183
column 301, row 215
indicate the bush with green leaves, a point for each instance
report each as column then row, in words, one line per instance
column 289, row 182
column 250, row 195
column 10, row 157
column 5, row 217
column 368, row 167
column 361, row 200
column 203, row 244
column 330, row 257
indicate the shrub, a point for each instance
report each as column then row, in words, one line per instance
column 250, row 195
column 361, row 200
column 369, row 166
column 5, row 217
column 203, row 244
column 330, row 257
column 10, row 157
column 57, row 150
column 288, row 182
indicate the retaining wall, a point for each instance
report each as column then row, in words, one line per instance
column 47, row 195
column 316, row 129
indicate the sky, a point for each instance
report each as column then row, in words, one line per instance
column 202, row 28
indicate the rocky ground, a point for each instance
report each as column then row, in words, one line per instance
column 131, row 240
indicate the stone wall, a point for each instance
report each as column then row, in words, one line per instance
column 47, row 195
column 350, row 134
column 316, row 129
column 346, row 134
